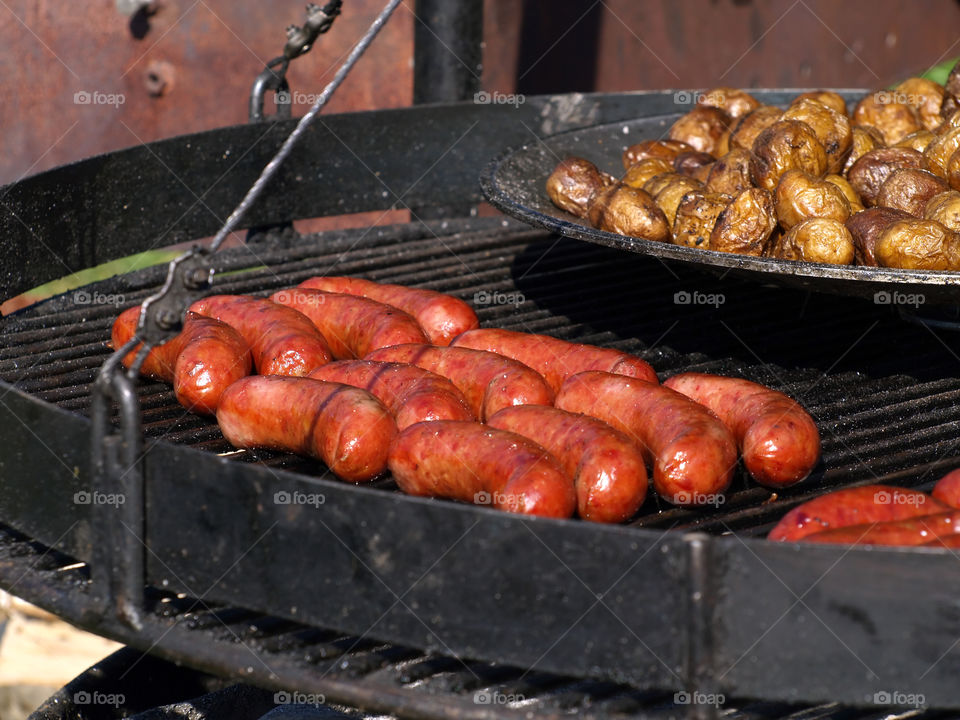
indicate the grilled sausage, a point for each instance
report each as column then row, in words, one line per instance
column 919, row 530
column 354, row 326
column 200, row 362
column 488, row 381
column 470, row 462
column 947, row 489
column 282, row 341
column 693, row 453
column 945, row 541
column 346, row 427
column 607, row 467
column 411, row 394
column 442, row 317
column 778, row 439
column 553, row 358
column 854, row 506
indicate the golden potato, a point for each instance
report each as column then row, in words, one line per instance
column 829, row 98
column 785, row 145
column 953, row 170
column 951, row 122
column 867, row 174
column 696, row 217
column 951, row 93
column 848, row 192
column 735, row 103
column 668, row 199
column 918, row 245
column 924, row 96
column 894, row 120
column 745, row 225
column 702, row 128
column 940, row 149
column 917, row 141
column 659, row 182
column 641, row 171
column 689, row 163
column 865, row 139
column 800, row 197
column 663, row 149
column 909, row 189
column 730, row 174
column 945, row 209
column 573, row 184
column 867, row 226
column 831, row 128
column 819, row 240
column 744, row 131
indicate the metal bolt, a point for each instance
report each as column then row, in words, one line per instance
column 158, row 78
column 292, row 30
column 168, row 320
column 197, row 278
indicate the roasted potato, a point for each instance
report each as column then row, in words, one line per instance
column 731, row 173
column 663, row 149
column 945, row 209
column 629, row 211
column 951, row 122
column 659, row 182
column 744, row 131
column 918, row 245
column 917, row 141
column 688, row 163
column 573, row 184
column 702, row 173
column 696, row 217
column 940, row 149
column 848, row 192
column 909, row 189
column 702, row 128
column 953, row 171
column 800, row 196
column 641, row 171
column 819, row 240
column 924, row 96
column 895, row 120
column 785, row 145
column 826, row 97
column 831, row 128
column 867, row 174
column 668, row 199
column 735, row 103
column 867, row 226
column 865, row 139
column 745, row 225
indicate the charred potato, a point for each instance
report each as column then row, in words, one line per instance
column 785, row 145
column 735, row 103
column 702, row 128
column 745, row 225
column 688, row 163
column 868, row 173
column 895, row 120
column 940, row 149
column 629, row 211
column 831, row 128
column 663, row 149
column 917, row 141
column 731, row 173
column 924, row 96
column 867, row 226
column 641, row 171
column 800, row 197
column 865, row 139
column 848, row 192
column 573, row 184
column 819, row 240
column 696, row 217
column 918, row 245
column 945, row 209
column 909, row 189
column 825, row 97
column 744, row 131
column 668, row 199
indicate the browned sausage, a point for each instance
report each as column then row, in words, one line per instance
column 490, row 382
column 282, row 341
column 354, row 326
column 945, row 541
column 947, row 489
column 607, row 467
column 201, row 362
column 778, row 439
column 442, row 317
column 553, row 358
column 346, row 427
column 693, row 452
column 920, row 530
column 854, row 506
column 474, row 463
column 410, row 393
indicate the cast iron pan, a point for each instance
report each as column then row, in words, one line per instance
column 514, row 183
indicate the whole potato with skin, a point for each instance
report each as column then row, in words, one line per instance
column 659, row 182
column 702, row 173
column 939, row 150
column 663, row 149
column 702, row 128
column 918, row 245
column 848, row 192
column 730, row 174
column 745, row 225
column 867, row 226
column 945, row 209
column 953, row 171
column 819, row 240
column 951, row 93
column 641, row 171
column 735, row 103
column 785, row 145
column 629, row 211
column 800, row 197
column 831, row 128
column 909, row 189
column 573, row 184
column 668, row 199
column 688, row 163
column 865, row 139
column 917, row 141
column 696, row 217
column 951, row 122
column 924, row 96
column 743, row 133
column 829, row 98
column 893, row 119
column 868, row 173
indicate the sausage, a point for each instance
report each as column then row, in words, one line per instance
column 945, row 541
column 918, row 530
column 282, row 341
column 200, row 362
column 694, row 455
column 411, row 394
column 346, row 427
column 854, row 506
column 947, row 489
column 474, row 463
column 488, row 381
column 607, row 467
column 553, row 358
column 778, row 439
column 442, row 317
column 354, row 326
